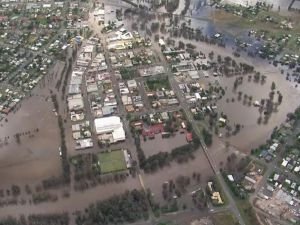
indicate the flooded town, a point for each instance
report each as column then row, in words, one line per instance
column 178, row 112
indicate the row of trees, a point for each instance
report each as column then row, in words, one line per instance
column 157, row 161
column 59, row 81
column 68, row 73
column 172, row 5
column 64, row 159
column 40, row 219
column 207, row 136
column 181, row 154
column 126, row 208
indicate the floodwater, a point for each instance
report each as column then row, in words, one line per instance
column 159, row 144
column 37, row 156
column 77, row 200
column 199, row 165
column 252, row 134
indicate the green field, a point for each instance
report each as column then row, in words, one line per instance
column 247, row 211
column 112, row 161
column 225, row 218
column 156, row 84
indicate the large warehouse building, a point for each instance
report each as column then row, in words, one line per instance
column 110, row 129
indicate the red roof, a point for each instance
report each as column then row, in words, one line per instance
column 154, row 129
column 2, row 18
column 189, row 137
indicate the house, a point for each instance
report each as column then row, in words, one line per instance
column 230, row 178
column 222, row 121
column 189, row 137
column 107, row 110
column 215, row 195
column 132, row 85
column 75, row 102
column 284, row 162
column 74, row 89
column 161, row 42
column 217, row 198
column 99, row 15
column 126, row 100
column 84, row 143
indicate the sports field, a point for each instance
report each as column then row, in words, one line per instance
column 112, row 161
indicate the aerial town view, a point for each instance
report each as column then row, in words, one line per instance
column 149, row 112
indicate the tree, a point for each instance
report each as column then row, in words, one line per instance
column 219, row 59
column 15, row 190
column 280, row 98
column 171, row 5
column 207, row 137
column 263, row 78
column 18, row 138
column 257, row 76
column 181, row 45
column 227, row 145
column 235, row 84
column 154, row 27
column 211, row 55
column 273, row 86
column 239, row 95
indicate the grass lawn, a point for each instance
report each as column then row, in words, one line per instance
column 224, row 218
column 112, row 161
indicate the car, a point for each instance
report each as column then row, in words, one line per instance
column 60, row 153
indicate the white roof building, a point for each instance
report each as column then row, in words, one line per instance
column 230, row 177
column 131, row 84
column 110, row 125
column 161, row 42
column 297, row 169
column 89, row 49
column 75, row 102
column 284, row 162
